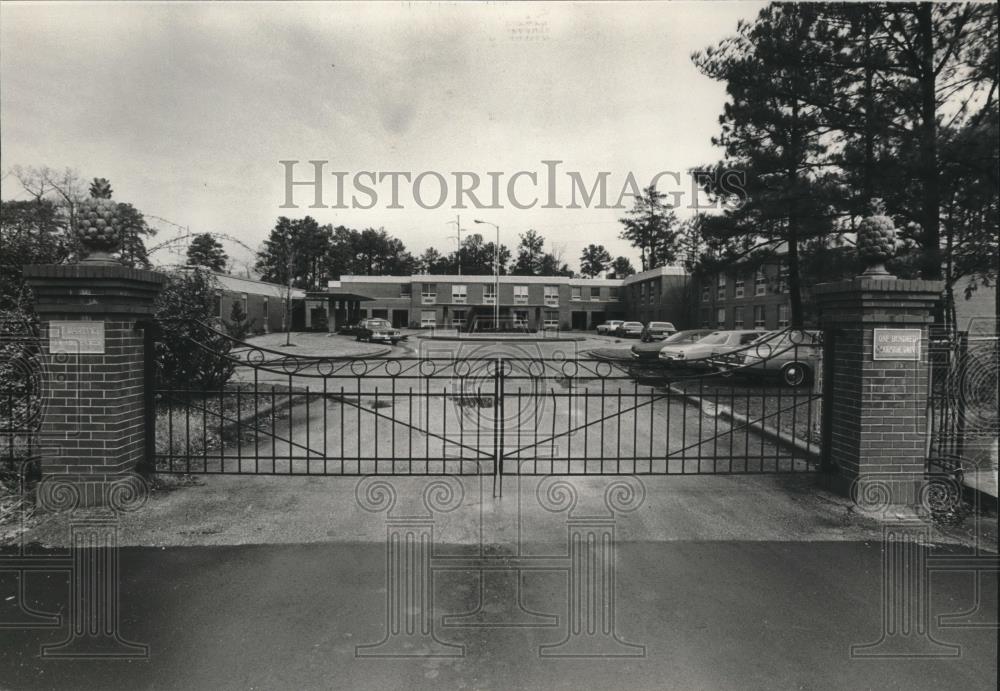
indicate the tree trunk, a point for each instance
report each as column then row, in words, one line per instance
column 868, row 186
column 931, row 260
column 792, row 236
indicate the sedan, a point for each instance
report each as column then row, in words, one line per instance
column 630, row 330
column 790, row 356
column 699, row 352
column 651, row 351
column 372, row 330
column 609, row 327
column 657, row 331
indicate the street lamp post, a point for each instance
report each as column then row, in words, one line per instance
column 496, row 276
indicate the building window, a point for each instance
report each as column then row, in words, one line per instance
column 428, row 293
column 655, row 290
column 458, row 319
column 459, row 294
column 265, row 312
column 576, row 293
column 551, row 319
column 721, row 285
column 520, row 295
column 490, row 294
column 760, row 283
column 642, row 292
column 595, row 293
column 613, row 292
column 738, row 318
column 720, row 317
column 405, row 290
column 217, row 305
column 706, row 293
column 552, row 296
column 739, row 287
column 758, row 317
column 428, row 318
column 783, row 281
column 705, row 317
column 520, row 318
column 783, row 316
column 246, row 306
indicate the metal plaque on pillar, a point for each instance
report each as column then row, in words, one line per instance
column 896, row 344
column 76, row 337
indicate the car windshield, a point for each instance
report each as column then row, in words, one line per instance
column 632, row 324
column 767, row 336
column 714, row 339
column 379, row 324
column 804, row 338
column 660, row 325
column 684, row 336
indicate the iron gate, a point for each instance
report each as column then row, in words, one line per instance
column 962, row 413
column 286, row 414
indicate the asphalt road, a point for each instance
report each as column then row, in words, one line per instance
column 710, row 615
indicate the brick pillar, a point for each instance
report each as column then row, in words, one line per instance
column 93, row 427
column 875, row 403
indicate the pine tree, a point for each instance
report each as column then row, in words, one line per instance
column 651, row 227
column 206, row 251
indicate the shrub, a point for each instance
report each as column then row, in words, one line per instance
column 239, row 326
column 189, row 355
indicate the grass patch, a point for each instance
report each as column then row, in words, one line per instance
column 197, row 424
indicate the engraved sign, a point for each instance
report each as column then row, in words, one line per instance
column 76, row 337
column 897, row 344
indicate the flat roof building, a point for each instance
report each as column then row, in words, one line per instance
column 532, row 302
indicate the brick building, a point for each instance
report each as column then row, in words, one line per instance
column 264, row 303
column 660, row 294
column 536, row 302
column 758, row 298
column 744, row 299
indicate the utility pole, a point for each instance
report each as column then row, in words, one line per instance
column 458, row 237
column 288, row 303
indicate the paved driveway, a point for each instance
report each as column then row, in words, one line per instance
column 720, row 615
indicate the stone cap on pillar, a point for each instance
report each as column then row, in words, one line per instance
column 95, row 289
column 870, row 300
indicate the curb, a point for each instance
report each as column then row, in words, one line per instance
column 528, row 339
column 763, row 429
column 381, row 352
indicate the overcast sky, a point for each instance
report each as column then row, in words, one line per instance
column 187, row 108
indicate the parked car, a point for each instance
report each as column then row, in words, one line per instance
column 700, row 352
column 629, row 330
column 609, row 326
column 657, row 331
column 651, row 351
column 791, row 356
column 372, row 330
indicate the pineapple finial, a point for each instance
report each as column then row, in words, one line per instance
column 876, row 240
column 100, row 188
column 99, row 228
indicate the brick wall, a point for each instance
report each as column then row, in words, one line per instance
column 875, row 409
column 94, row 406
column 877, row 417
column 94, row 428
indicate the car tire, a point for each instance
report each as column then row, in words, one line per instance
column 795, row 374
